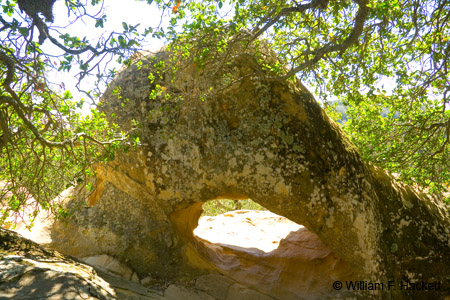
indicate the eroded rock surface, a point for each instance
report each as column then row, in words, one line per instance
column 231, row 130
column 272, row 254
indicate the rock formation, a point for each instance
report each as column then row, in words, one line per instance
column 232, row 130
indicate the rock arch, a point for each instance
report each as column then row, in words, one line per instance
column 253, row 137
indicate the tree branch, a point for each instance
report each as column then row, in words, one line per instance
column 357, row 30
column 40, row 138
column 20, row 109
column 300, row 8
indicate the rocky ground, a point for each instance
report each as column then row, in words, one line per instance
column 30, row 271
column 250, row 241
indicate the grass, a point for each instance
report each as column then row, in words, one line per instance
column 220, row 206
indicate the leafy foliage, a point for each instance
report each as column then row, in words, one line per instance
column 220, row 206
column 46, row 144
column 346, row 50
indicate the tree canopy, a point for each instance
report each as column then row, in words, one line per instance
column 371, row 55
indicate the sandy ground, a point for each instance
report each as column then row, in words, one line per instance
column 246, row 228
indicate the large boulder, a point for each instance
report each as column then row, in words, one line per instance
column 233, row 130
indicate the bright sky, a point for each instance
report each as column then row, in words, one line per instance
column 129, row 11
column 117, row 11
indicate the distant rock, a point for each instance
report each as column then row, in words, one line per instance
column 40, row 231
column 254, row 230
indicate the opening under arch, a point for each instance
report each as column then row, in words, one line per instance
column 264, row 251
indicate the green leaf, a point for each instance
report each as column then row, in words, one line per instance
column 24, row 31
column 132, row 42
column 122, row 42
column 99, row 23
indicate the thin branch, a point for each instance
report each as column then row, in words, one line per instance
column 357, row 30
column 20, row 109
column 300, row 8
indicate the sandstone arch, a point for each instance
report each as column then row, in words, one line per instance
column 257, row 138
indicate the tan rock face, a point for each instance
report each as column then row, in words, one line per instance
column 271, row 254
column 232, row 130
column 118, row 225
column 110, row 264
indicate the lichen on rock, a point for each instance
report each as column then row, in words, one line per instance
column 232, row 130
